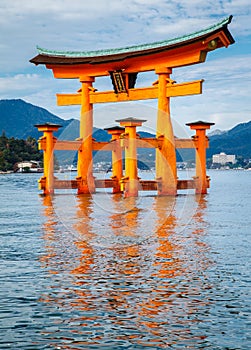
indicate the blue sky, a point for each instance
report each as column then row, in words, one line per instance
column 90, row 25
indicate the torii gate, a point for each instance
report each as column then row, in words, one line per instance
column 123, row 65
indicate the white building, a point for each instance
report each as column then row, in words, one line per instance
column 32, row 166
column 224, row 158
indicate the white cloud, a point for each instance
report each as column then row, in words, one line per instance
column 225, row 99
column 82, row 25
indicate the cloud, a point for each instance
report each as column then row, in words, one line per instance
column 225, row 99
column 89, row 25
column 226, row 91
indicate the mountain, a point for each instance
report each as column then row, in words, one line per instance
column 17, row 119
column 216, row 132
column 235, row 141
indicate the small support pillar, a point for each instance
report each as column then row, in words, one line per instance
column 166, row 170
column 131, row 180
column 201, row 146
column 86, row 183
column 46, row 143
column 117, row 158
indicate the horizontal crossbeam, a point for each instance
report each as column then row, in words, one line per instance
column 145, row 185
column 183, row 89
column 110, row 146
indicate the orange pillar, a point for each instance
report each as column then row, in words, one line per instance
column 201, row 146
column 131, row 166
column 86, row 183
column 117, row 159
column 166, row 171
column 46, row 143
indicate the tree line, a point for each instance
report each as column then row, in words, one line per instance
column 14, row 150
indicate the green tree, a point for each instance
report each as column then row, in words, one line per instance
column 14, row 150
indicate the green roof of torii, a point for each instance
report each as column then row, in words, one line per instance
column 135, row 48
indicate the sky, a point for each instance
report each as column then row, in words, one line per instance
column 82, row 25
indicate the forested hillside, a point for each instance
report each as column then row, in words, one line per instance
column 15, row 150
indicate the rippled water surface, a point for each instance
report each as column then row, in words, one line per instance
column 103, row 272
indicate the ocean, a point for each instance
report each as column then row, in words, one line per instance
column 103, row 272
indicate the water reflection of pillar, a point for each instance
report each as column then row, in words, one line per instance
column 49, row 213
column 123, row 270
column 178, row 297
column 125, row 226
column 201, row 208
column 155, row 311
column 167, row 222
column 85, row 234
column 83, row 296
column 67, row 293
column 49, row 227
column 199, row 231
column 168, row 266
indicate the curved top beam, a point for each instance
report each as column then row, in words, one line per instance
column 198, row 41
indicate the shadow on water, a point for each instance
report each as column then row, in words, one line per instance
column 127, row 273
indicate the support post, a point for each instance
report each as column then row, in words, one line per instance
column 117, row 158
column 202, row 142
column 86, row 183
column 46, row 143
column 166, row 171
column 131, row 180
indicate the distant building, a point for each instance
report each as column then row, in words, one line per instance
column 29, row 166
column 224, row 158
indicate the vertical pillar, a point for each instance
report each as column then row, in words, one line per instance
column 166, row 171
column 46, row 143
column 86, row 183
column 131, row 168
column 117, row 159
column 201, row 146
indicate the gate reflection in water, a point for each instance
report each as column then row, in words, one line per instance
column 127, row 273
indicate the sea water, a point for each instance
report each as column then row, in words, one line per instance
column 103, row 272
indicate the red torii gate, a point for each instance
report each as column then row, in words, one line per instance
column 123, row 65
